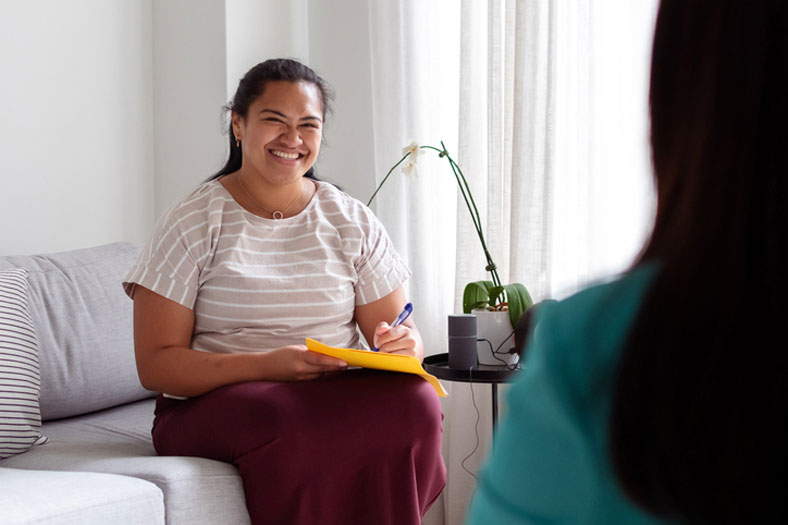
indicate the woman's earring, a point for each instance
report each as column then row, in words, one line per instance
column 237, row 143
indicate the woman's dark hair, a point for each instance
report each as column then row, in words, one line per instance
column 252, row 86
column 698, row 424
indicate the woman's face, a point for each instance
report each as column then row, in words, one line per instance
column 281, row 133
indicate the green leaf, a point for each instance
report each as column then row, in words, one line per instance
column 495, row 295
column 519, row 301
column 476, row 295
column 481, row 305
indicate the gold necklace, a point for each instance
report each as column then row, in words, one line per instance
column 276, row 214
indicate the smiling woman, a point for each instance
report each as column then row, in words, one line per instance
column 280, row 140
column 235, row 277
column 275, row 133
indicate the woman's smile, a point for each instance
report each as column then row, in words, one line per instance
column 285, row 155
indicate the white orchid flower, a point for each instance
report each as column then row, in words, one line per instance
column 409, row 166
column 412, row 148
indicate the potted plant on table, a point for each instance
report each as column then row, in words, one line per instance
column 502, row 301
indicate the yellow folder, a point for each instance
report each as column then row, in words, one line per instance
column 377, row 360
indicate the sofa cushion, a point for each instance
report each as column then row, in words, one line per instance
column 34, row 496
column 83, row 321
column 20, row 384
column 117, row 441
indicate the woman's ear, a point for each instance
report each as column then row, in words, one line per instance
column 237, row 122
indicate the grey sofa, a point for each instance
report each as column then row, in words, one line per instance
column 99, row 465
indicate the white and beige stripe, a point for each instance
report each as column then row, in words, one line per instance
column 256, row 284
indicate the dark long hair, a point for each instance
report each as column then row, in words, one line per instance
column 252, row 86
column 698, row 425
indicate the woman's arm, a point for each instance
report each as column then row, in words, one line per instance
column 373, row 319
column 165, row 363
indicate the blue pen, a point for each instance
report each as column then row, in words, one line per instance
column 400, row 318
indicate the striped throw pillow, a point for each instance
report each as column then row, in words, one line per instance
column 20, row 382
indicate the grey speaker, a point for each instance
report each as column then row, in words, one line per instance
column 462, row 341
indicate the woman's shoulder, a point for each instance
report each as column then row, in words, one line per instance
column 587, row 330
column 558, row 412
column 611, row 302
column 339, row 206
column 202, row 211
column 205, row 204
column 201, row 198
column 330, row 192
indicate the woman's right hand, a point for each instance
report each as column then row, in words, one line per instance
column 296, row 363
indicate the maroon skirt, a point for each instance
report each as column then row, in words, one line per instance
column 362, row 446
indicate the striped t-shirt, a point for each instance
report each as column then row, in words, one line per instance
column 258, row 284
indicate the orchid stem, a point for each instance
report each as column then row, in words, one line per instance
column 405, row 156
column 465, row 190
column 474, row 211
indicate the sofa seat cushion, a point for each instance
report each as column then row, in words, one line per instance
column 117, row 441
column 46, row 497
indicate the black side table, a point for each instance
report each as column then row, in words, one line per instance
column 438, row 365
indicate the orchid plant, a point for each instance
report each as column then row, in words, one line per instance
column 489, row 295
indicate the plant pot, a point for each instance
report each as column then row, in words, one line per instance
column 496, row 328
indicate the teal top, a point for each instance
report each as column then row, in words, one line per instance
column 550, row 461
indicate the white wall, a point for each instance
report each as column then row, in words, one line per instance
column 333, row 39
column 110, row 110
column 76, row 159
column 262, row 29
column 339, row 52
column 189, row 91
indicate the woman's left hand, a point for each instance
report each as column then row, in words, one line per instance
column 403, row 339
column 397, row 340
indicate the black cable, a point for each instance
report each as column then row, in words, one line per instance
column 473, row 398
column 489, row 343
column 475, row 426
column 497, row 351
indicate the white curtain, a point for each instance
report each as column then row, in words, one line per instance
column 603, row 198
column 414, row 67
column 543, row 103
